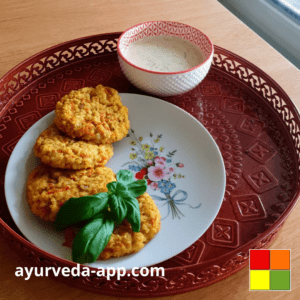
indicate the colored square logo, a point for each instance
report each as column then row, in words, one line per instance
column 270, row 270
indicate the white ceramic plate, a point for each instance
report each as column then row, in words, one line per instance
column 186, row 168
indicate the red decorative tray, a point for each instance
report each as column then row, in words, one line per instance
column 252, row 119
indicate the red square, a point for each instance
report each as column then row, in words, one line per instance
column 260, row 259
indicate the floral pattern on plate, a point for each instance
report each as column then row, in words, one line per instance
column 151, row 161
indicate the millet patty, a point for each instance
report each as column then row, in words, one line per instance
column 49, row 188
column 93, row 114
column 58, row 150
column 123, row 240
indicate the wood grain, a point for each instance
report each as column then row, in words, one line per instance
column 27, row 27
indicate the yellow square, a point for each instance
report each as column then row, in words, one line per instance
column 259, row 280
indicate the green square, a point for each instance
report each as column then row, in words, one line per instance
column 280, row 280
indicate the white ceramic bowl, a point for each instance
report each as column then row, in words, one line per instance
column 165, row 83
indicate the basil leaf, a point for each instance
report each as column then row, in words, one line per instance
column 137, row 188
column 116, row 188
column 80, row 209
column 133, row 214
column 125, row 177
column 118, row 208
column 92, row 239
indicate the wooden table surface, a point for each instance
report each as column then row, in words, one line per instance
column 27, row 27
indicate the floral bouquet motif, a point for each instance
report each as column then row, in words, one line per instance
column 151, row 162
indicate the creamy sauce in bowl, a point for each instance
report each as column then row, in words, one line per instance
column 164, row 54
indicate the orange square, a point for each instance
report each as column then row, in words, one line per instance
column 280, row 259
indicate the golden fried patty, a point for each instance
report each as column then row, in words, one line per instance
column 58, row 150
column 49, row 188
column 93, row 114
column 124, row 241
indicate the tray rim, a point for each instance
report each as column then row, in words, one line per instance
column 279, row 222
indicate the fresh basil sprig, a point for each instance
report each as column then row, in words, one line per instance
column 92, row 238
column 133, row 214
column 100, row 212
column 76, row 210
column 122, row 202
